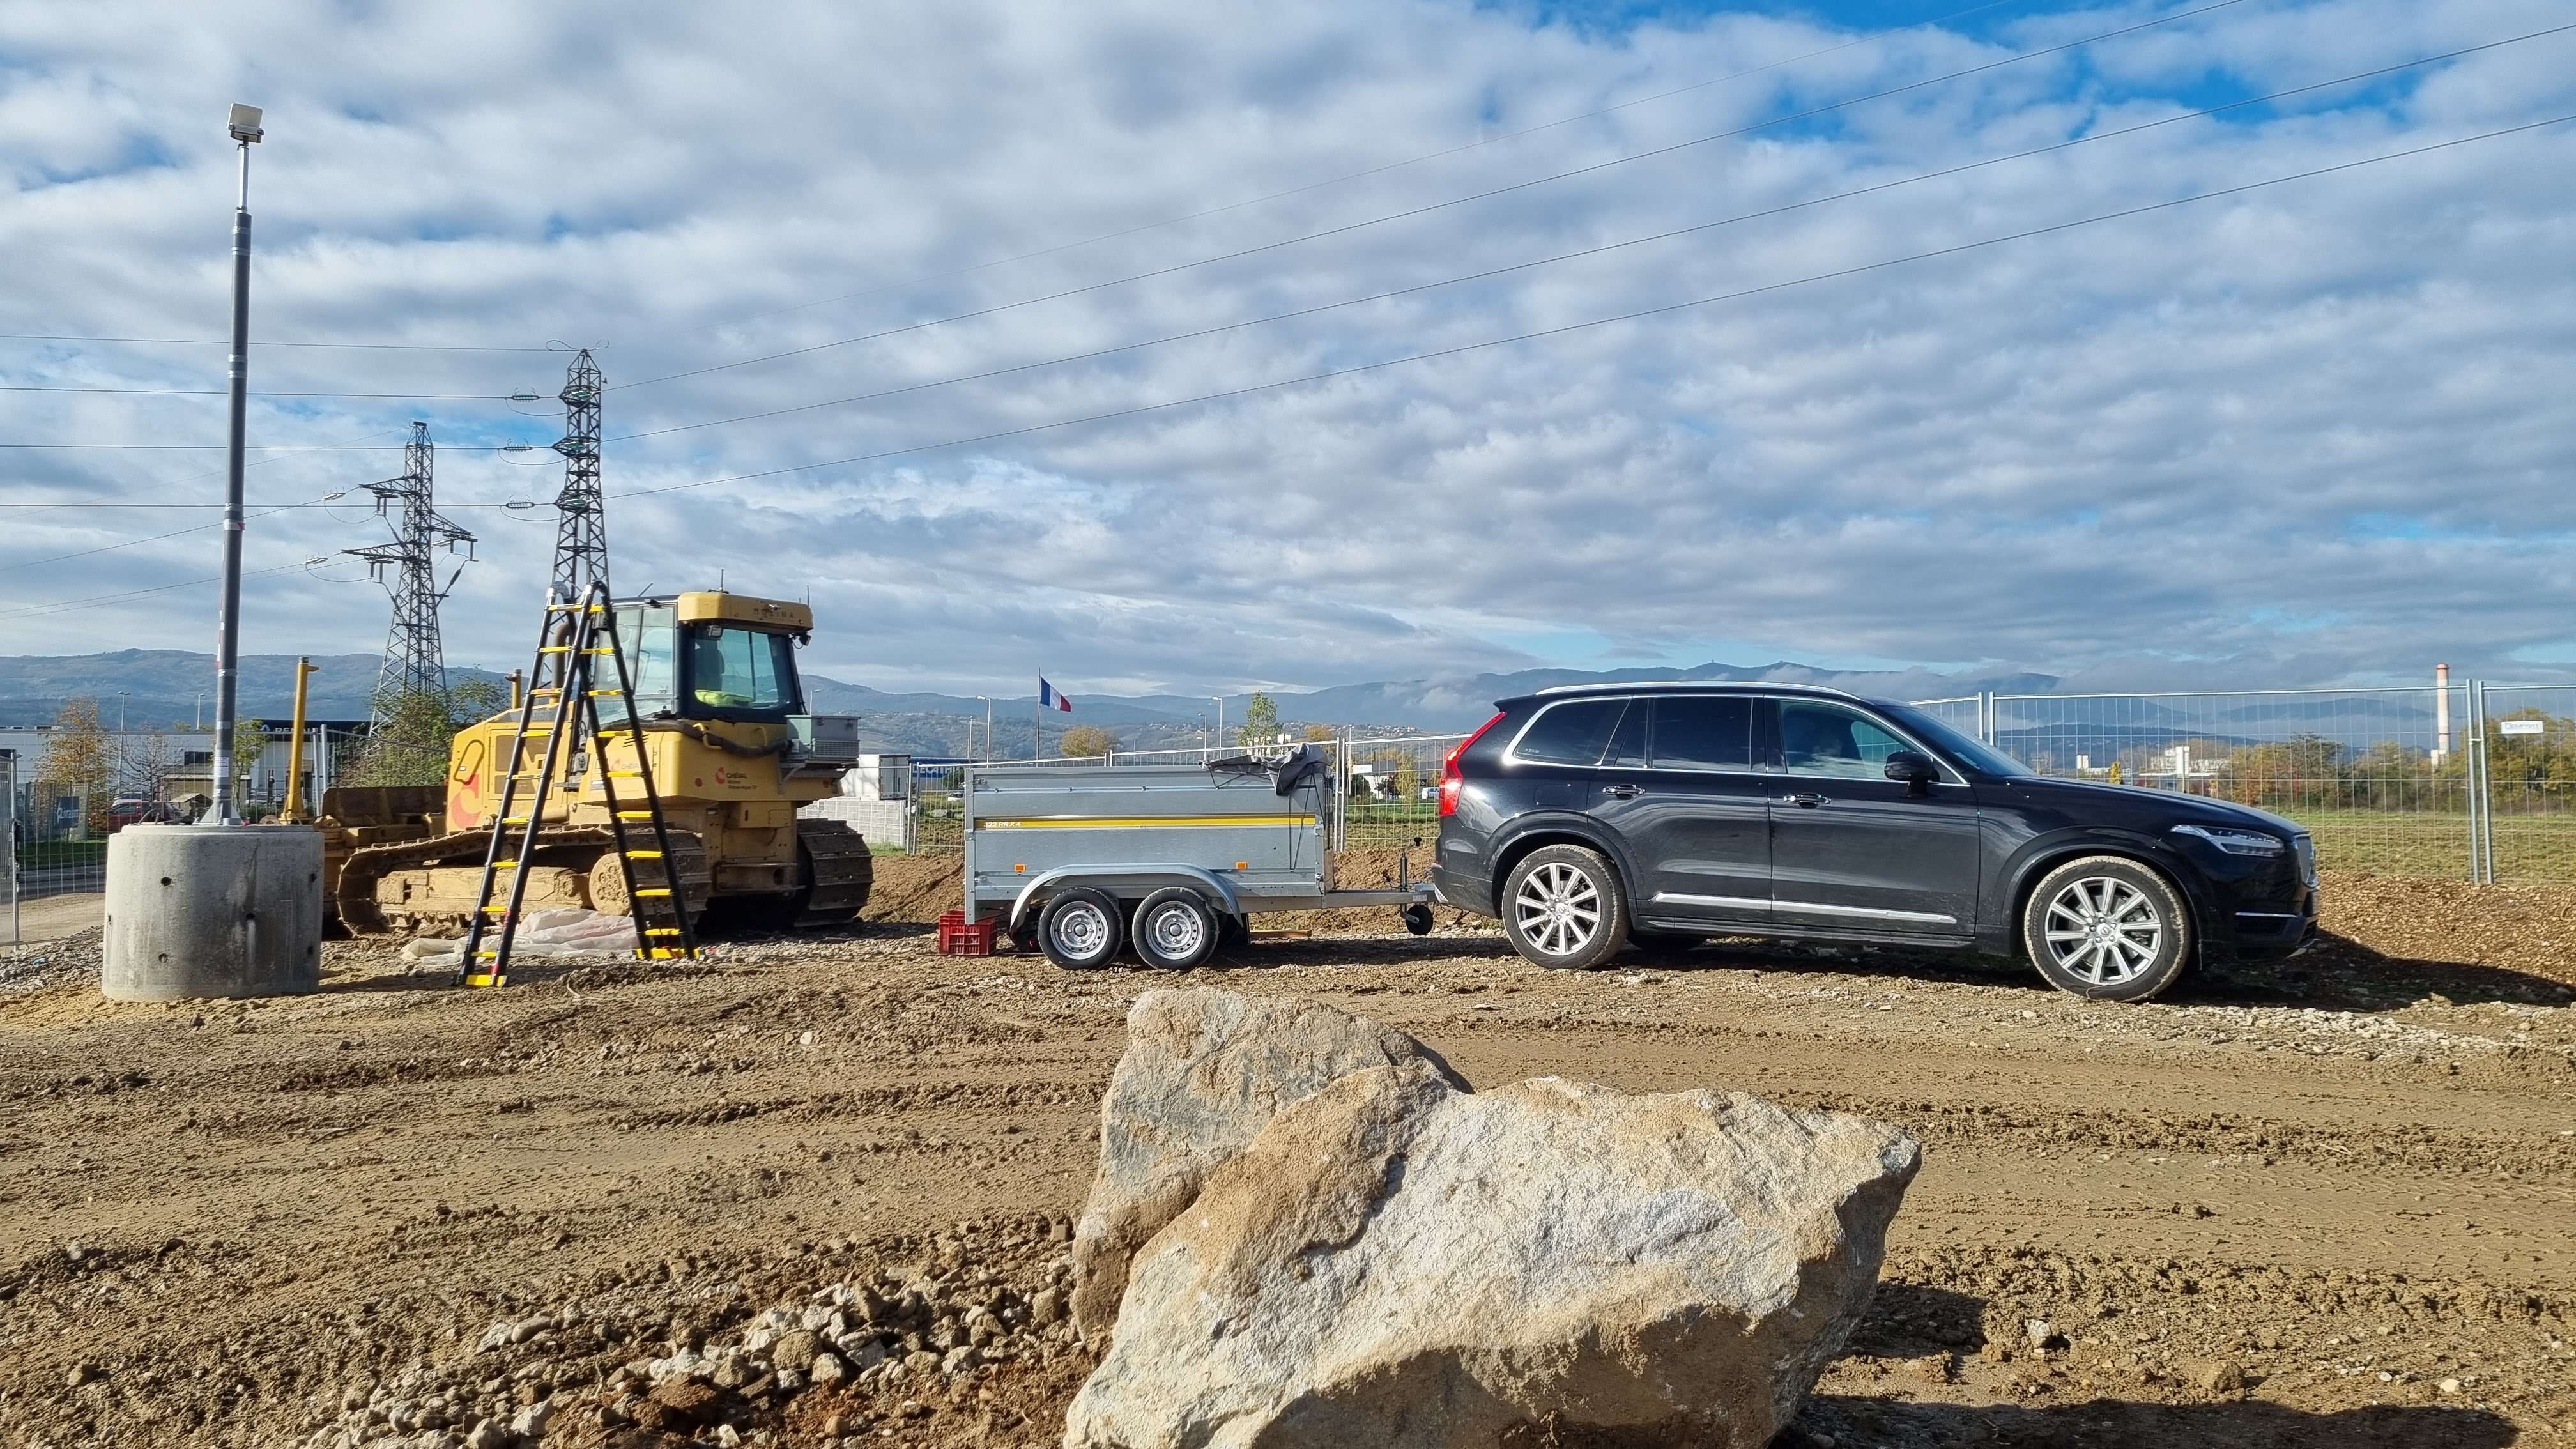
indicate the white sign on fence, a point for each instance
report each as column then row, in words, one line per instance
column 2523, row 726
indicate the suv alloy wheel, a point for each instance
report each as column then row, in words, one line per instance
column 1565, row 908
column 2108, row 928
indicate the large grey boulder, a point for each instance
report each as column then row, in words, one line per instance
column 1394, row 1263
column 1203, row 1073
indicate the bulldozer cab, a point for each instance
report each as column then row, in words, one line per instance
column 712, row 656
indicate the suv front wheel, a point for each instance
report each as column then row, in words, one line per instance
column 1565, row 908
column 2107, row 928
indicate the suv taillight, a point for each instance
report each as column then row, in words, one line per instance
column 1451, row 782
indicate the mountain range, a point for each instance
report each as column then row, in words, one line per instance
column 162, row 688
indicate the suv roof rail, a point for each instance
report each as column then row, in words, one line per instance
column 1756, row 685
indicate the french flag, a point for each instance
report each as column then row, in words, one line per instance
column 1050, row 698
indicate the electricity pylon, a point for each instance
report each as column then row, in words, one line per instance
column 415, row 663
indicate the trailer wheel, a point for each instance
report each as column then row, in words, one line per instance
column 1079, row 929
column 1175, row 929
column 1417, row 919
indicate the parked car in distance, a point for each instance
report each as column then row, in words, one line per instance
column 121, row 813
column 1591, row 815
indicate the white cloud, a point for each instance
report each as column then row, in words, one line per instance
column 2311, row 431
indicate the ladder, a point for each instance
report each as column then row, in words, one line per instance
column 576, row 633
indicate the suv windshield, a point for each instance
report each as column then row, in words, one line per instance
column 740, row 670
column 1981, row 758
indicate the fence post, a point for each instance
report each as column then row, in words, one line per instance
column 1986, row 717
column 1341, row 792
column 9, row 834
column 2486, row 795
column 2472, row 751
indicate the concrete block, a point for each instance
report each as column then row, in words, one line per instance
column 206, row 910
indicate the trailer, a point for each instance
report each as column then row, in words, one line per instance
column 1084, row 860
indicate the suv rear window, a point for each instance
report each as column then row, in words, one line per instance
column 1571, row 733
column 1704, row 732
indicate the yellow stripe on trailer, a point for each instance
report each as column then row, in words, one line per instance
column 1135, row 822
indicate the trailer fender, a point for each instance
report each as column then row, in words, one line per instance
column 1120, row 881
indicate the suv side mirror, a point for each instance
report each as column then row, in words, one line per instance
column 1912, row 767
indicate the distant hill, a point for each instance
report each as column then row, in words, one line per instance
column 162, row 688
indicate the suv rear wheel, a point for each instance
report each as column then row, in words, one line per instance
column 1565, row 908
column 2108, row 928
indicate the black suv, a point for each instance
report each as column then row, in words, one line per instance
column 1590, row 816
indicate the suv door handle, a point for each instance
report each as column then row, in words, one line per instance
column 1622, row 792
column 1805, row 801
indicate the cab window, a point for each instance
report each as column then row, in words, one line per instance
column 739, row 671
column 1827, row 739
column 644, row 635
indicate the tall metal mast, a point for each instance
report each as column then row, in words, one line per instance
column 415, row 663
column 581, row 532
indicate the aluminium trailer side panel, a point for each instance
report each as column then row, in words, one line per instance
column 1024, row 822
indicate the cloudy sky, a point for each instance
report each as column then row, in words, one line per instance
column 2314, row 431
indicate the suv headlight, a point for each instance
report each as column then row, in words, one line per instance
column 2235, row 842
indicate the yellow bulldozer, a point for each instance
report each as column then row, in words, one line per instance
column 733, row 752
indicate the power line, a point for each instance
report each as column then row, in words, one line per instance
column 1573, row 327
column 227, row 342
column 322, row 502
column 220, row 392
column 1861, row 39
column 65, row 606
column 158, row 537
column 1440, row 205
column 264, row 447
column 1603, row 248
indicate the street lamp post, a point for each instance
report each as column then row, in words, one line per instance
column 1218, row 740
column 244, row 130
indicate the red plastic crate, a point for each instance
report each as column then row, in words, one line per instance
column 959, row 936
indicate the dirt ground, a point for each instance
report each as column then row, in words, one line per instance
column 2326, row 1203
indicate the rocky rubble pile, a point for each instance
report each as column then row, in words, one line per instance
column 70, row 961
column 847, row 1359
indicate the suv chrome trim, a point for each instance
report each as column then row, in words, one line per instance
column 1750, row 686
column 1512, row 751
column 1866, row 913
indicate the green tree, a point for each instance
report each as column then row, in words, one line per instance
column 413, row 730
column 1403, row 773
column 1083, row 741
column 1320, row 734
column 2303, row 771
column 1260, row 721
column 79, row 758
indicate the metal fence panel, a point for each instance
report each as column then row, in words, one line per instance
column 1391, row 790
column 2381, row 777
column 60, row 844
column 2528, row 828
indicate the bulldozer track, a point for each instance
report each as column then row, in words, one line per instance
column 578, row 846
column 843, row 872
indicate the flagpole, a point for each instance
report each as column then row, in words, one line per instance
column 1037, row 724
